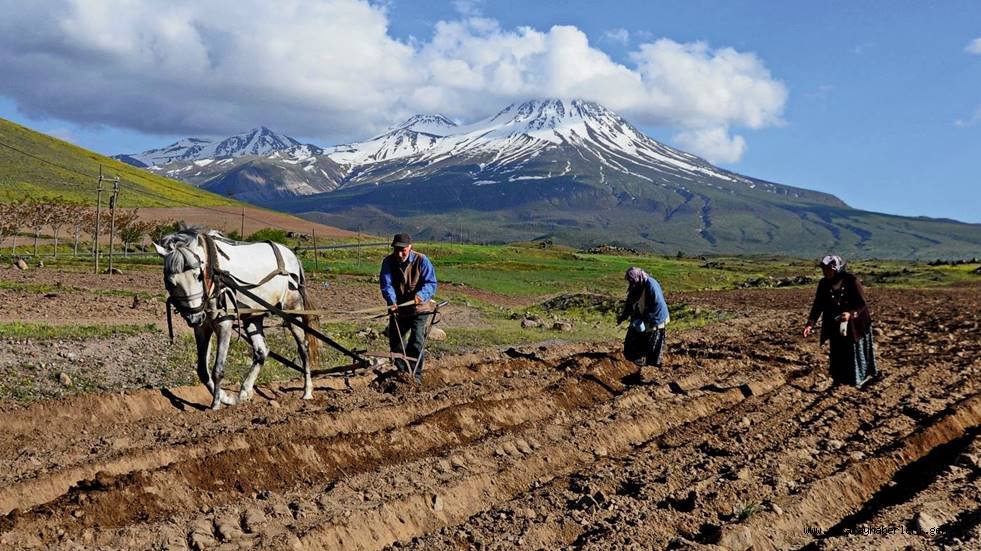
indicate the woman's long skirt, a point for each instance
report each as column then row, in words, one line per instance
column 852, row 363
column 644, row 348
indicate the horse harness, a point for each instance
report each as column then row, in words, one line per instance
column 219, row 286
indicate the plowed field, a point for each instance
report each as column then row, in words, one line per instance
column 738, row 441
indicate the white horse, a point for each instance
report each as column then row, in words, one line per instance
column 193, row 260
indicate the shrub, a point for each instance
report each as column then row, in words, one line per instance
column 269, row 234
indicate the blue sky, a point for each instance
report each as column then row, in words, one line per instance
column 878, row 103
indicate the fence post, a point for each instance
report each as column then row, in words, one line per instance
column 112, row 224
column 98, row 220
column 316, row 253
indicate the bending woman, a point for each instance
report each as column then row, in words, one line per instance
column 846, row 322
column 648, row 314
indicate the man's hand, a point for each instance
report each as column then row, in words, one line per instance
column 417, row 299
column 393, row 307
column 807, row 330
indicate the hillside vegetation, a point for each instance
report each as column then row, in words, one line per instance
column 37, row 165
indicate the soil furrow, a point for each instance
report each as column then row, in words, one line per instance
column 826, row 502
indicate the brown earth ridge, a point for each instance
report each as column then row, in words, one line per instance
column 736, row 443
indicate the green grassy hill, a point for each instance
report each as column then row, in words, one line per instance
column 37, row 165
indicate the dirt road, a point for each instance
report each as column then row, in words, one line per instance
column 736, row 442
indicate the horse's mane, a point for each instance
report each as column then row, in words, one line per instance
column 179, row 258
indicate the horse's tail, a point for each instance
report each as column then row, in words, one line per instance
column 313, row 320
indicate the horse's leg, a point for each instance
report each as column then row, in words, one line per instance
column 202, row 338
column 301, row 348
column 224, row 332
column 253, row 328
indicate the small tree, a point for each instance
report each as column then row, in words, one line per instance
column 77, row 214
column 269, row 234
column 130, row 228
column 90, row 224
column 159, row 229
column 40, row 212
column 62, row 212
column 7, row 211
column 17, row 216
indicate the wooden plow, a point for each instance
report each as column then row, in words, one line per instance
column 360, row 359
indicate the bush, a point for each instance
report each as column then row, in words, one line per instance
column 269, row 234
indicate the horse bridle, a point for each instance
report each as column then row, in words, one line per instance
column 216, row 282
column 182, row 303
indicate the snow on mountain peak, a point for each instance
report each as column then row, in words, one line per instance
column 502, row 142
column 437, row 125
column 258, row 141
column 524, row 130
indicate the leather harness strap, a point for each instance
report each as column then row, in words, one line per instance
column 220, row 284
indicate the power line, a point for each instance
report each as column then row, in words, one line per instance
column 212, row 209
column 177, row 186
column 46, row 161
column 140, row 189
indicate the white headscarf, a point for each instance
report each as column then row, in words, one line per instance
column 834, row 262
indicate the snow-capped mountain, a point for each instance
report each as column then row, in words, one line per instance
column 436, row 125
column 520, row 133
column 255, row 166
column 569, row 170
column 417, row 134
column 258, row 141
column 537, row 139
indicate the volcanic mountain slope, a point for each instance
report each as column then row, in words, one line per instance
column 575, row 172
column 258, row 141
column 257, row 166
column 567, row 170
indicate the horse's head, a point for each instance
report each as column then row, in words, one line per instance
column 184, row 275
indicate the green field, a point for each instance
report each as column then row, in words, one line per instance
column 36, row 165
column 499, row 284
column 527, row 271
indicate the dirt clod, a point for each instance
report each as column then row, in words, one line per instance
column 554, row 445
column 562, row 326
column 925, row 522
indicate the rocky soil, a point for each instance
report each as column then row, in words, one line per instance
column 738, row 442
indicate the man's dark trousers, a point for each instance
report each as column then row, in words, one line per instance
column 413, row 329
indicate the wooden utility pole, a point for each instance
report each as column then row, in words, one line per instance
column 112, row 224
column 316, row 254
column 242, row 230
column 98, row 220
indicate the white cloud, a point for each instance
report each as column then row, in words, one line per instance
column 975, row 118
column 974, row 46
column 715, row 144
column 621, row 36
column 469, row 8
column 701, row 87
column 332, row 71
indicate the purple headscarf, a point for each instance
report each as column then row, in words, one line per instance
column 834, row 262
column 635, row 276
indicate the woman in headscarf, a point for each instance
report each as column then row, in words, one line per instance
column 648, row 314
column 846, row 322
